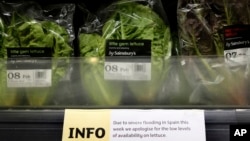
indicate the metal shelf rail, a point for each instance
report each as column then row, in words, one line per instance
column 47, row 125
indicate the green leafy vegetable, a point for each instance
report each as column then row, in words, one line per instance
column 136, row 21
column 8, row 96
column 201, row 32
column 127, row 20
column 25, row 32
column 201, row 24
column 100, row 91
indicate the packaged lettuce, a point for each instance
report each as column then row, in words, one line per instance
column 216, row 32
column 136, row 24
column 8, row 96
column 43, row 35
column 205, row 26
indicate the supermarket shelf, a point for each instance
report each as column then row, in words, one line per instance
column 184, row 81
column 46, row 125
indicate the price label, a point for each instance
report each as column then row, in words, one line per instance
column 237, row 56
column 133, row 125
column 25, row 68
column 236, row 44
column 29, row 78
column 127, row 71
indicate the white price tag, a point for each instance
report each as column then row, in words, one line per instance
column 134, row 125
column 127, row 71
column 237, row 56
column 29, row 78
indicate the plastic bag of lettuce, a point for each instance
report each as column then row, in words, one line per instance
column 121, row 22
column 40, row 34
column 8, row 97
column 215, row 34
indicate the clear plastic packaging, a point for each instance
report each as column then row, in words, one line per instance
column 32, row 31
column 123, row 22
column 208, row 81
column 148, row 79
column 201, row 25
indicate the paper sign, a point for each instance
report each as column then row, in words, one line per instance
column 89, row 125
column 134, row 125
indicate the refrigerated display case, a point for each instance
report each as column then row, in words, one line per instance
column 222, row 108
column 210, row 83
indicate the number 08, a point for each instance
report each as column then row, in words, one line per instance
column 14, row 75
